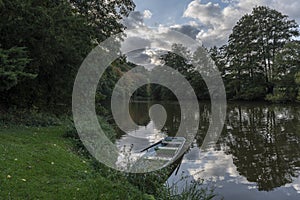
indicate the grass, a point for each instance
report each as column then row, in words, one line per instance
column 38, row 163
column 42, row 157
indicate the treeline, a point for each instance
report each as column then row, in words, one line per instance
column 261, row 60
column 43, row 43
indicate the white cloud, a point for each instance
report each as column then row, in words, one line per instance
column 219, row 21
column 154, row 42
column 206, row 13
column 147, row 14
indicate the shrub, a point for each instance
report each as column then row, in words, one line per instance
column 29, row 118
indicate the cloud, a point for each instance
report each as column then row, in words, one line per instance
column 189, row 30
column 210, row 23
column 149, row 58
column 206, row 13
column 219, row 21
column 147, row 14
column 134, row 20
column 152, row 43
column 138, row 57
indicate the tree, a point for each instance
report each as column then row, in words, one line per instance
column 57, row 35
column 252, row 48
column 297, row 80
column 220, row 57
column 104, row 16
column 13, row 64
column 178, row 59
column 287, row 65
column 287, row 60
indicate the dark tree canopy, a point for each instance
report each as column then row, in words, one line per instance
column 252, row 49
column 51, row 38
column 13, row 63
column 249, row 67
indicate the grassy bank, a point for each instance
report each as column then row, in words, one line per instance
column 42, row 157
column 39, row 163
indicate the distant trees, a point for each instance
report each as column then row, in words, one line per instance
column 182, row 64
column 182, row 60
column 260, row 60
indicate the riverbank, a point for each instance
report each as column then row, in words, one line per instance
column 42, row 157
column 39, row 163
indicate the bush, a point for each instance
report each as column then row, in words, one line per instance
column 276, row 98
column 72, row 133
column 29, row 118
column 192, row 191
column 280, row 96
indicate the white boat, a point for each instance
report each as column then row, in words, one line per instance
column 166, row 149
column 160, row 154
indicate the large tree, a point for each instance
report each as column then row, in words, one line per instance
column 252, row 48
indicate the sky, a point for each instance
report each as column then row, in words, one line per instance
column 209, row 21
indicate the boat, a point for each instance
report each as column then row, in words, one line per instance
column 160, row 154
column 166, row 149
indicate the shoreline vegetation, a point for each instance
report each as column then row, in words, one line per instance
column 43, row 158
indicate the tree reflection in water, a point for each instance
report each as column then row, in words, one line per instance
column 264, row 143
column 263, row 140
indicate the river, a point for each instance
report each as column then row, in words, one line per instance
column 256, row 157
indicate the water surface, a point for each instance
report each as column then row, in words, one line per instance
column 256, row 157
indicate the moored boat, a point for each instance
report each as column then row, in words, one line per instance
column 160, row 154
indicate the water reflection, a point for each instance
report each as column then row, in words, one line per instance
column 264, row 144
column 258, row 154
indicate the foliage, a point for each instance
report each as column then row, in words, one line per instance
column 104, row 16
column 153, row 183
column 278, row 96
column 250, row 64
column 252, row 48
column 297, row 80
column 287, row 65
column 57, row 36
column 72, row 133
column 13, row 63
column 181, row 59
column 192, row 191
column 32, row 118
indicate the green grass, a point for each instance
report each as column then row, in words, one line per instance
column 38, row 163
